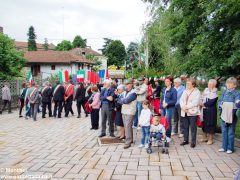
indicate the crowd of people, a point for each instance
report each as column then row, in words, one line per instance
column 127, row 106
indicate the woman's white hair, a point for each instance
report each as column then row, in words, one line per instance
column 177, row 80
column 107, row 81
column 232, row 80
column 213, row 81
column 121, row 86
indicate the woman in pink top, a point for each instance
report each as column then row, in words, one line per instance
column 95, row 103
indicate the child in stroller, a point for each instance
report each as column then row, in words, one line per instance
column 157, row 134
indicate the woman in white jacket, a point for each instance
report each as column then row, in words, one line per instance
column 190, row 109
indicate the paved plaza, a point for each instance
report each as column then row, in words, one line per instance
column 67, row 149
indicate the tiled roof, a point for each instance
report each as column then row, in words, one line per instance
column 54, row 57
column 24, row 45
column 85, row 51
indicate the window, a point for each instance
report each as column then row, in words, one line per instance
column 53, row 67
column 83, row 53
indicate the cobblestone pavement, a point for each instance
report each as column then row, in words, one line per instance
column 67, row 149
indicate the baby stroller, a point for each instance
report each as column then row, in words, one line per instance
column 162, row 142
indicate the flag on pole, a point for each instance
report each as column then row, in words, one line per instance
column 141, row 58
column 63, row 76
column 101, row 73
column 106, row 74
column 30, row 78
column 89, row 76
column 80, row 75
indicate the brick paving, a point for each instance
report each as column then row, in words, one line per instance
column 67, row 149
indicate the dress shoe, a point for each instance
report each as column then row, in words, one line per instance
column 43, row 117
column 122, row 137
column 102, row 135
column 183, row 143
column 193, row 145
column 126, row 146
column 20, row 116
column 112, row 135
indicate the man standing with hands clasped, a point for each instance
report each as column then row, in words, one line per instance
column 107, row 105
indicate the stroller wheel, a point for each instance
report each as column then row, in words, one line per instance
column 163, row 151
column 149, row 150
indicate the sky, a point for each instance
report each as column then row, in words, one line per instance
column 64, row 19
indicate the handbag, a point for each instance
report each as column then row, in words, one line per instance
column 199, row 123
column 88, row 109
column 193, row 111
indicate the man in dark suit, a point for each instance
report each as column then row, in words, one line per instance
column 107, row 106
column 58, row 98
column 46, row 100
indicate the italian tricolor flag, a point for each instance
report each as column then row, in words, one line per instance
column 80, row 76
column 30, row 78
column 63, row 76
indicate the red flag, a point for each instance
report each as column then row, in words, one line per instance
column 107, row 74
column 92, row 77
column 66, row 76
column 89, row 76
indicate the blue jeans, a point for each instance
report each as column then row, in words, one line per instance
column 169, row 115
column 145, row 134
column 228, row 133
column 138, row 112
column 157, row 136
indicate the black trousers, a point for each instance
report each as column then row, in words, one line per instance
column 5, row 102
column 190, row 121
column 58, row 105
column 68, row 107
column 177, row 120
column 46, row 105
column 79, row 105
column 95, row 118
column 21, row 106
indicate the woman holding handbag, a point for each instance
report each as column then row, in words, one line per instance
column 190, row 110
column 94, row 103
column 209, row 105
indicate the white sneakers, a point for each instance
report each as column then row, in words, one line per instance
column 141, row 146
column 180, row 135
column 222, row 150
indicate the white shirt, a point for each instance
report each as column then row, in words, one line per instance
column 157, row 128
column 145, row 117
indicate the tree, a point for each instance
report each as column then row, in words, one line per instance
column 116, row 53
column 195, row 37
column 45, row 45
column 32, row 46
column 64, row 46
column 133, row 51
column 11, row 60
column 79, row 42
column 107, row 41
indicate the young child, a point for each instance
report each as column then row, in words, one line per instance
column 144, row 123
column 157, row 130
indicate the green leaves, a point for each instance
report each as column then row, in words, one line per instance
column 64, row 46
column 11, row 61
column 32, row 46
column 197, row 37
column 115, row 52
column 79, row 42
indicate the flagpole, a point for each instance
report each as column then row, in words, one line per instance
column 146, row 54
